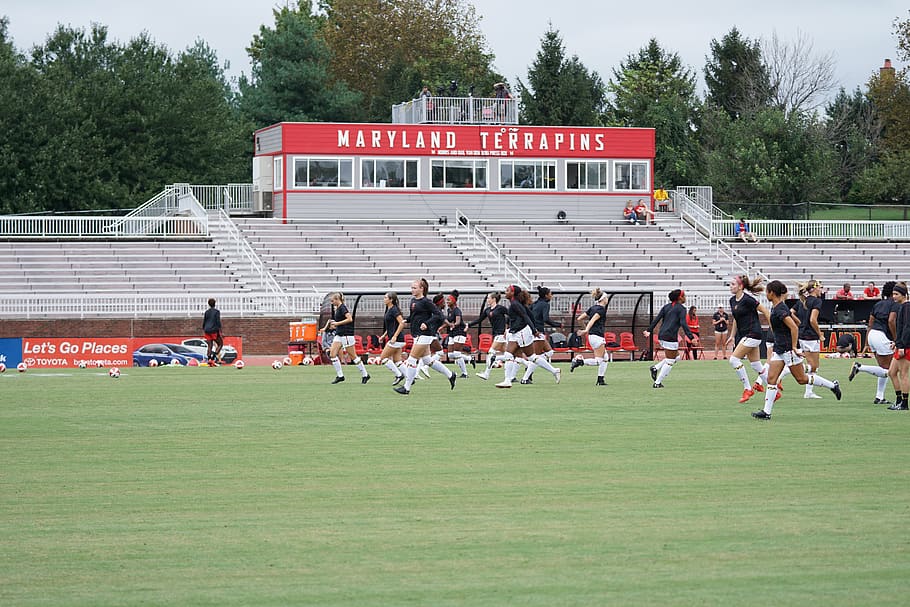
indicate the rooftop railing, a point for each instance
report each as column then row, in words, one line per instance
column 456, row 110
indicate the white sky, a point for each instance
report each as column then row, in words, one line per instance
column 600, row 32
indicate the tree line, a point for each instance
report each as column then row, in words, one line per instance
column 94, row 124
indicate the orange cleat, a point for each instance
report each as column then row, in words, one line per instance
column 747, row 394
column 757, row 387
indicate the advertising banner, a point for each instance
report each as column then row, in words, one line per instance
column 69, row 352
column 11, row 352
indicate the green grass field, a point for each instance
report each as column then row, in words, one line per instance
column 261, row 487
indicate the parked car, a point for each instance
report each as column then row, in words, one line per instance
column 164, row 354
column 198, row 345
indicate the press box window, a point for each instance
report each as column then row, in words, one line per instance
column 388, row 173
column 453, row 174
column 323, row 173
column 586, row 176
column 537, row 175
column 630, row 176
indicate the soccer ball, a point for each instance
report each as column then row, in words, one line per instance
column 175, row 363
column 192, row 363
column 114, row 372
column 82, row 364
column 307, row 361
column 497, row 364
column 2, row 367
column 238, row 364
column 22, row 367
column 287, row 361
column 153, row 363
column 276, row 364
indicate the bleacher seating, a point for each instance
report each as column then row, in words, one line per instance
column 358, row 257
column 93, row 266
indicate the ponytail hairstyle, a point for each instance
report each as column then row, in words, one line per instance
column 673, row 295
column 888, row 289
column 803, row 288
column 337, row 294
column 495, row 296
column 524, row 297
column 393, row 297
column 425, row 285
column 753, row 286
column 776, row 287
column 453, row 296
column 597, row 294
column 542, row 292
column 438, row 300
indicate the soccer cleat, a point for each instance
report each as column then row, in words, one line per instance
column 463, row 376
column 452, row 379
column 525, row 382
column 402, row 390
column 483, row 375
column 836, row 390
column 747, row 394
column 881, row 401
column 600, row 382
column 853, row 372
column 811, row 395
column 576, row 362
column 365, row 378
column 653, row 374
column 426, row 372
column 780, row 393
column 473, row 363
column 338, row 380
column 557, row 375
column 898, row 407
column 758, row 387
column 761, row 414
column 398, row 380
column 504, row 384
column 657, row 385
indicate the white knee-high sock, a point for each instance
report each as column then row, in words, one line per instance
column 410, row 372
column 336, row 363
column 541, row 361
column 491, row 357
column 873, row 370
column 818, row 380
column 511, row 370
column 770, row 396
column 882, row 383
column 810, row 385
column 436, row 365
column 666, row 369
column 762, row 371
column 359, row 364
column 740, row 369
column 391, row 366
column 531, row 367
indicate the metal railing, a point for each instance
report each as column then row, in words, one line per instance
column 493, row 253
column 456, row 110
column 249, row 258
column 768, row 229
column 57, row 226
column 231, row 198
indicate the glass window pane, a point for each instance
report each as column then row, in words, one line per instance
column 621, row 177
column 411, row 174
column 437, row 174
column 367, row 173
column 480, row 174
column 639, row 176
column 505, row 175
column 300, row 173
column 346, row 175
column 323, row 173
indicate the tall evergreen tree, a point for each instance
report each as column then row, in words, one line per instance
column 735, row 76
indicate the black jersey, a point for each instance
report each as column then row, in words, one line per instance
column 720, row 327
column 673, row 316
column 497, row 316
column 598, row 327
column 540, row 314
column 211, row 321
column 390, row 321
column 454, row 315
column 519, row 317
column 424, row 312
column 902, row 339
column 339, row 315
column 745, row 313
column 880, row 313
column 804, row 312
column 783, row 340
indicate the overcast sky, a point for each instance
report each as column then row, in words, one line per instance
column 601, row 33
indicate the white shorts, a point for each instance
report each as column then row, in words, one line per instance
column 669, row 345
column 346, row 341
column 810, row 345
column 524, row 337
column 749, row 342
column 459, row 339
column 424, row 340
column 879, row 343
column 397, row 345
column 596, row 341
column 790, row 358
column 499, row 339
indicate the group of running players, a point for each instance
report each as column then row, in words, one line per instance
column 519, row 338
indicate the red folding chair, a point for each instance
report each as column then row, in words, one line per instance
column 627, row 344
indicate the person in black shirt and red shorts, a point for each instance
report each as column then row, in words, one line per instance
column 211, row 327
column 899, row 372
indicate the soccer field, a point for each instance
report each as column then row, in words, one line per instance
column 204, row 486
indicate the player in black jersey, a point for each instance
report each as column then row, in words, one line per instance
column 746, row 332
column 343, row 324
column 899, row 372
column 594, row 329
column 520, row 343
column 880, row 338
column 498, row 317
column 457, row 335
column 672, row 318
column 393, row 325
column 424, row 319
column 807, row 310
column 785, row 328
column 540, row 314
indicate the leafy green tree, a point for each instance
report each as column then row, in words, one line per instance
column 560, row 91
column 653, row 89
column 886, row 182
column 291, row 75
column 889, row 92
column 736, row 79
column 854, row 133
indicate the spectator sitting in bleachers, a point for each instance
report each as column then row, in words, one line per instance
column 844, row 293
column 871, row 292
column 643, row 213
column 629, row 214
column 743, row 231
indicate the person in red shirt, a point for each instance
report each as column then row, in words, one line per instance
column 871, row 292
column 844, row 293
column 643, row 212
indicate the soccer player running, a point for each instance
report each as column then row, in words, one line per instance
column 746, row 331
column 520, row 342
column 880, row 336
column 393, row 323
column 809, row 332
column 672, row 318
column 594, row 329
column 785, row 328
column 457, row 335
column 342, row 322
column 498, row 316
column 425, row 318
column 899, row 372
column 540, row 314
column 211, row 328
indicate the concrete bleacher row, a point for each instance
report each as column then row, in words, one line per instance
column 371, row 257
column 92, row 266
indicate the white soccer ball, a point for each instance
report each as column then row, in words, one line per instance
column 497, row 364
column 276, row 364
column 22, row 367
column 2, row 367
column 307, row 361
column 114, row 372
column 239, row 364
column 82, row 364
column 287, row 362
column 153, row 363
column 175, row 362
